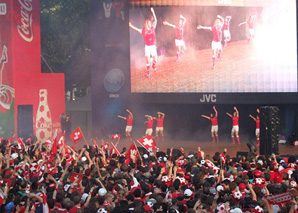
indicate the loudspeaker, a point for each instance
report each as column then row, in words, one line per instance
column 25, row 121
column 244, row 154
column 176, row 153
column 269, row 130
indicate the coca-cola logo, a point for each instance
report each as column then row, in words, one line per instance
column 25, row 28
column 44, row 124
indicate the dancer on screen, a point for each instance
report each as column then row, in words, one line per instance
column 257, row 132
column 129, row 122
column 149, row 123
column 235, row 128
column 217, row 38
column 159, row 125
column 214, row 125
column 179, row 31
column 148, row 33
column 226, row 30
column 251, row 26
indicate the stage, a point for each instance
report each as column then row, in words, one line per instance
column 208, row 147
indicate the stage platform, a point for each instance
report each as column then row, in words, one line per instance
column 208, row 147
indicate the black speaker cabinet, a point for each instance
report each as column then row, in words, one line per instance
column 269, row 130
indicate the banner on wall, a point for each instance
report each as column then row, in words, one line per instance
column 6, row 73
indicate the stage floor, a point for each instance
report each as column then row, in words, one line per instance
column 209, row 147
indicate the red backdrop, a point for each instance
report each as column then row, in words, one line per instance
column 20, row 32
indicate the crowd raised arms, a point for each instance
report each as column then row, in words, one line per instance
column 34, row 178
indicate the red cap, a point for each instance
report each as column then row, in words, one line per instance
column 242, row 186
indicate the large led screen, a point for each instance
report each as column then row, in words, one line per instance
column 214, row 49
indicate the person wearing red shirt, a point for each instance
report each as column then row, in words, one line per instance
column 159, row 125
column 226, row 30
column 217, row 37
column 235, row 129
column 149, row 122
column 214, row 125
column 148, row 32
column 251, row 26
column 179, row 32
column 257, row 120
column 129, row 122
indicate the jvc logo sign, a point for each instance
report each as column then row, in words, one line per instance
column 208, row 98
column 2, row 8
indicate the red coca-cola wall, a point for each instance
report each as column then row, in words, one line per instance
column 20, row 34
column 25, row 30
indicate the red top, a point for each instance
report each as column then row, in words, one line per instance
column 214, row 121
column 235, row 121
column 217, row 34
column 149, row 36
column 179, row 31
column 149, row 124
column 74, row 209
column 159, row 122
column 251, row 24
column 129, row 121
column 257, row 123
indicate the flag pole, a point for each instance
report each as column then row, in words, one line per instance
column 83, row 136
column 138, row 150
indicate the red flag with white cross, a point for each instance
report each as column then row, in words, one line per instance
column 132, row 153
column 148, row 143
column 116, row 136
column 76, row 135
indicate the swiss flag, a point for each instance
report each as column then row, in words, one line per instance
column 76, row 135
column 53, row 146
column 114, row 150
column 76, row 176
column 20, row 142
column 61, row 142
column 132, row 153
column 148, row 143
column 116, row 136
column 105, row 146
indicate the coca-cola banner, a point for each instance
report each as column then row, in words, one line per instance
column 26, row 36
column 6, row 72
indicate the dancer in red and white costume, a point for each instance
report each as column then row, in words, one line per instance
column 179, row 31
column 235, row 129
column 159, row 125
column 148, row 33
column 251, row 26
column 257, row 120
column 226, row 30
column 214, row 125
column 217, row 37
column 129, row 122
column 149, row 122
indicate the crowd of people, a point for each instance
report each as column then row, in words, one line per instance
column 43, row 177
